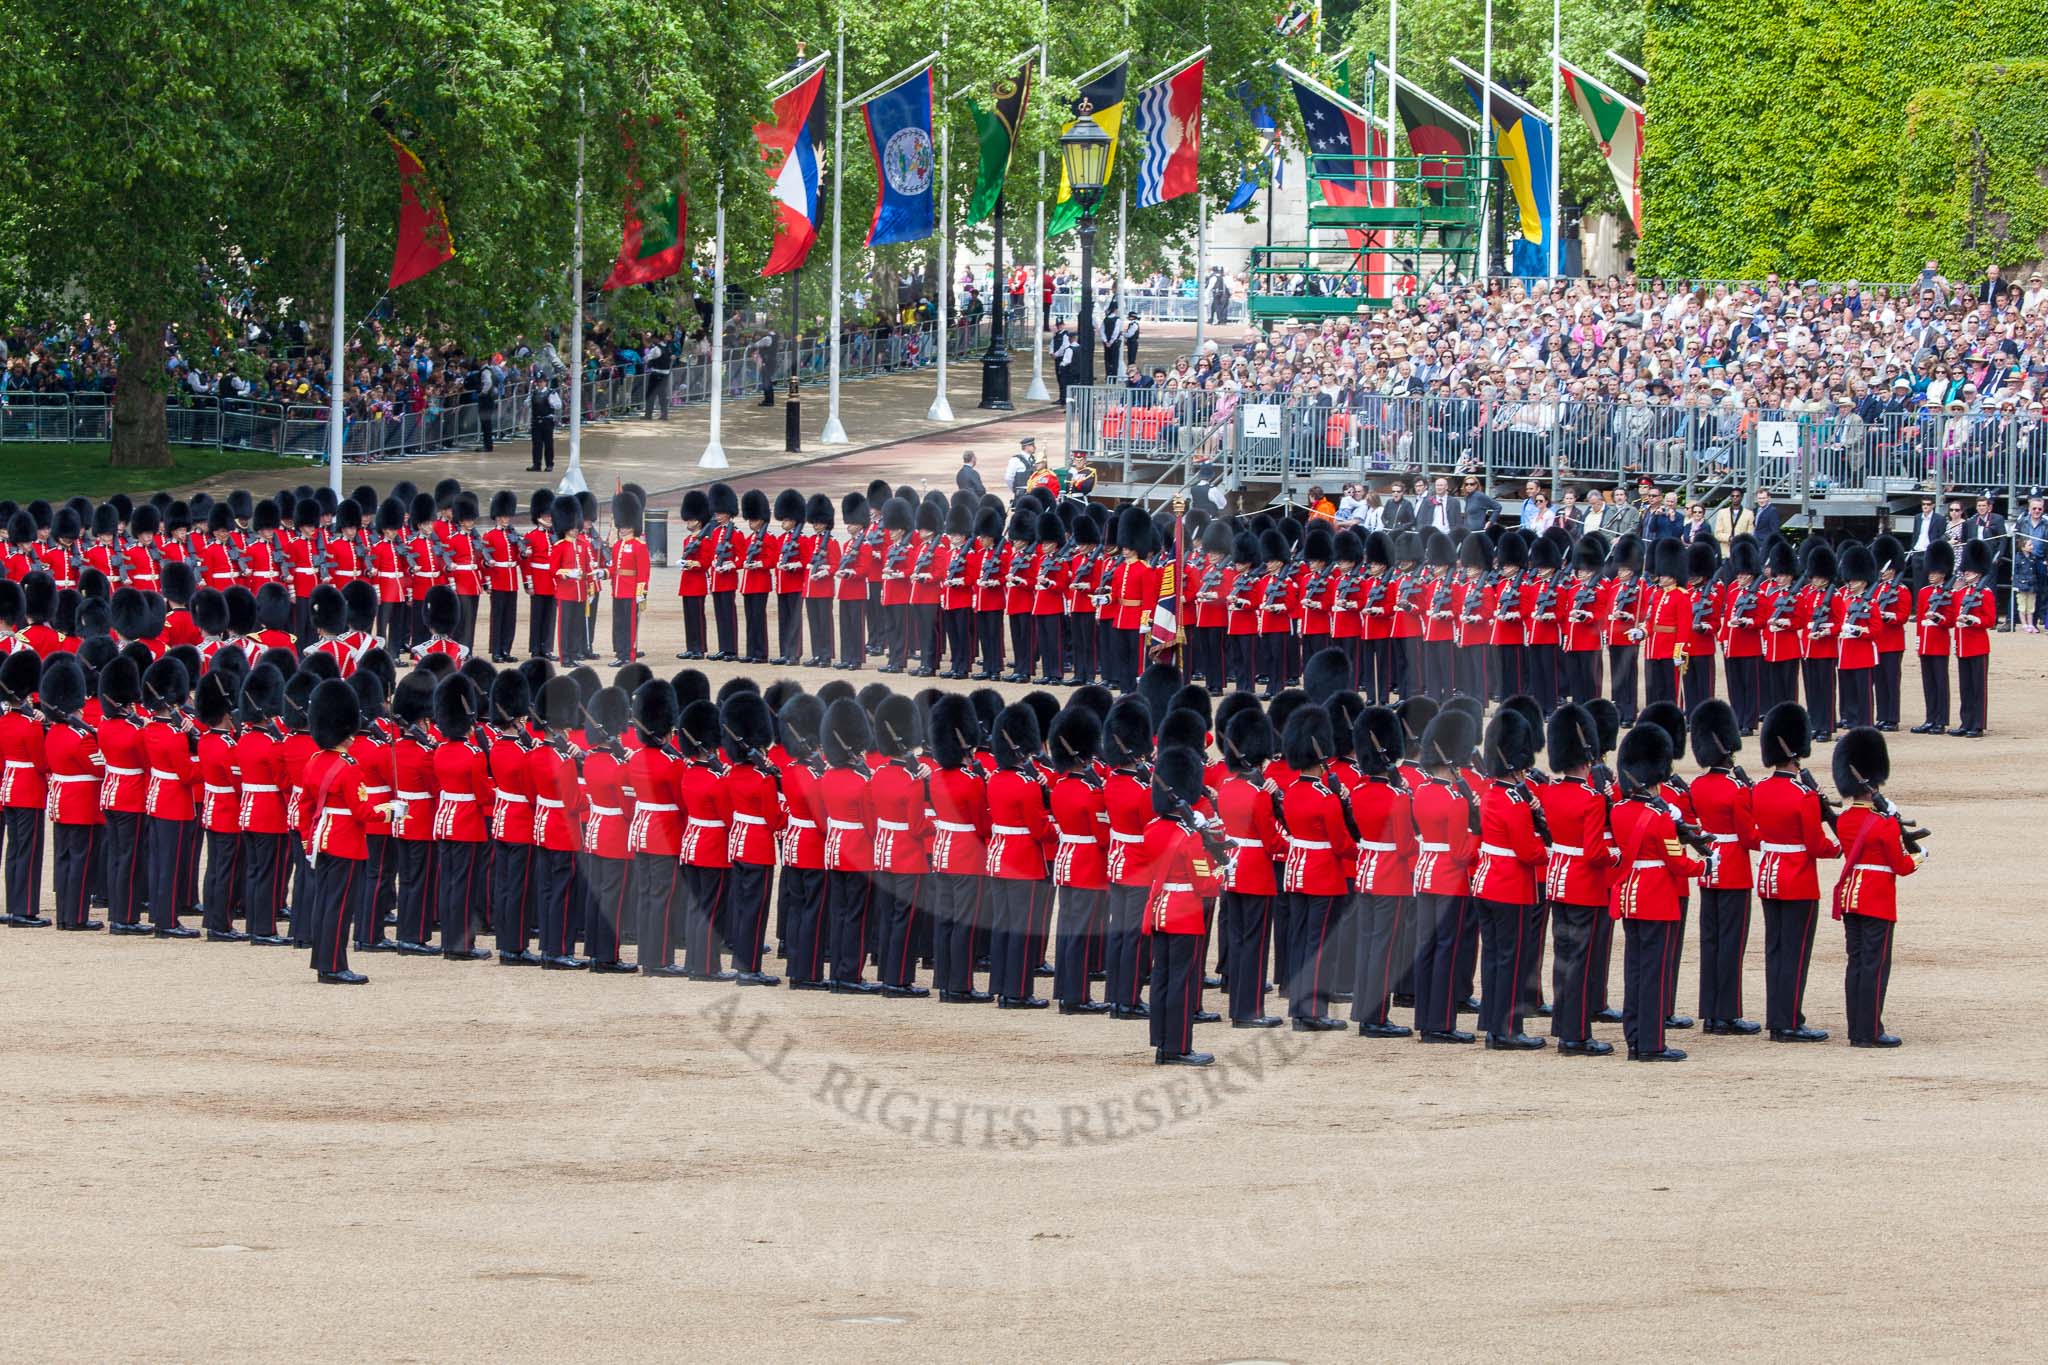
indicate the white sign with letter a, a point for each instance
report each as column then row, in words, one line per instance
column 1777, row 440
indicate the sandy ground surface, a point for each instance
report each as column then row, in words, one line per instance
column 211, row 1156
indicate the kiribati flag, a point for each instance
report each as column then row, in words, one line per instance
column 1169, row 137
column 900, row 138
column 791, row 162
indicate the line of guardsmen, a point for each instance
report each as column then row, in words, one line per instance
column 1347, row 851
column 1057, row 593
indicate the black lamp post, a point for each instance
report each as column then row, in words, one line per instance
column 995, row 363
column 1084, row 152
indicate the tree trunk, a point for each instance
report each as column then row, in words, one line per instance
column 140, row 438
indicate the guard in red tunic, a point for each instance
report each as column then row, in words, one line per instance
column 572, row 577
column 1512, row 858
column 860, row 560
column 1819, row 647
column 724, row 545
column 220, row 802
column 1741, row 633
column 1668, row 622
column 1187, row 870
column 463, row 549
column 1775, row 610
column 1791, row 834
column 76, row 767
column 1382, row 805
column 552, row 774
column 759, row 549
column 507, row 745
column 371, row 750
column 1080, row 869
column 655, row 838
column 896, row 793
column 170, row 823
column 821, row 555
column 1894, row 609
column 1647, row 887
column 954, row 568
column 334, row 847
column 791, row 565
column 1320, row 841
column 707, row 831
column 956, row 888
column 1975, row 614
column 24, row 786
column 1933, row 616
column 1248, row 805
column 1133, row 594
column 1877, row 849
column 1127, row 799
column 1706, row 602
column 987, row 592
column 849, row 825
column 266, row 856
column 1020, row 848
column 630, row 574
column 1446, row 843
column 1721, row 803
column 747, row 729
column 461, row 818
column 1577, row 876
column 415, row 793
column 501, row 564
column 1052, row 572
column 537, row 567
column 800, row 915
column 1623, row 609
column 1854, row 618
column 121, row 744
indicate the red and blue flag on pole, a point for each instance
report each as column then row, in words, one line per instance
column 790, row 159
column 900, row 138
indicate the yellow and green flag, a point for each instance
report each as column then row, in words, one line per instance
column 1104, row 95
column 997, row 128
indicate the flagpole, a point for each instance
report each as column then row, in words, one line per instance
column 1116, row 286
column 714, row 453
column 1038, row 393
column 1556, row 142
column 1201, row 267
column 941, row 410
column 1486, row 149
column 572, row 482
column 834, row 433
column 334, row 343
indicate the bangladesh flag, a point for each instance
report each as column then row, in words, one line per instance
column 997, row 130
column 1617, row 126
column 651, row 244
column 1441, row 141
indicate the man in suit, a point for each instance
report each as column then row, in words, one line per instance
column 1661, row 519
column 1439, row 511
column 1986, row 525
column 1769, row 517
column 1622, row 517
column 968, row 478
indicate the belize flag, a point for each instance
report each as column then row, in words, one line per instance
column 900, row 139
column 790, row 160
column 1169, row 137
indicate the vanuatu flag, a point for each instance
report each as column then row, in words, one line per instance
column 1104, row 96
column 1617, row 126
column 997, row 129
column 651, row 246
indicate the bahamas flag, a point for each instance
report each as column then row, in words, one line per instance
column 1522, row 140
column 1104, row 95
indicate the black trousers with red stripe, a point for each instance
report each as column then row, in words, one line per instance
column 418, row 903
column 1439, row 928
column 656, row 880
column 1599, row 963
column 955, row 901
column 337, row 886
column 540, row 625
column 1724, row 934
column 552, row 872
column 1507, row 943
column 1079, row 942
column 1379, row 931
column 1868, row 974
column 849, row 899
column 747, row 914
column 25, row 861
column 1571, row 943
column 895, row 911
column 1124, row 925
column 125, row 857
column 1176, row 991
column 460, row 878
column 1934, row 689
column 173, row 866
column 1623, row 662
column 809, row 943
column 266, row 881
column 75, row 850
column 1247, row 924
column 221, row 895
column 1788, row 953
column 1648, row 967
column 512, row 896
column 607, row 889
column 705, row 891
column 504, row 622
column 1311, row 933
column 754, row 607
column 1014, row 905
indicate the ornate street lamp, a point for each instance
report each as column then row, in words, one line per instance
column 1084, row 151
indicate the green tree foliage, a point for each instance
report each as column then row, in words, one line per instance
column 1840, row 141
column 1432, row 30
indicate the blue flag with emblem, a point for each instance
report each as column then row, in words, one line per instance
column 900, row 138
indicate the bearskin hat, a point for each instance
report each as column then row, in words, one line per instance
column 106, row 520
column 1183, row 729
column 1666, row 716
column 120, row 682
column 540, row 503
column 1327, row 672
column 20, row 673
column 1449, row 739
column 952, row 730
column 1716, row 733
column 263, row 695
column 1127, row 732
column 321, row 665
column 1437, row 551
column 1544, row 556
column 62, row 687
column 1667, row 559
column 1246, row 740
column 789, row 506
column 1787, row 734
column 1941, row 558
column 504, row 503
column 1530, row 712
column 1176, row 780
column 568, row 515
column 1075, row 738
column 1278, row 710
column 898, row 728
column 369, row 690
column 853, row 509
column 511, row 698
column 1415, row 714
column 627, row 513
column 1134, row 531
column 1606, row 724
column 1820, row 562
column 1572, row 735
column 697, row 728
column 818, row 511
column 1510, row 744
column 423, row 510
column 1378, row 742
column 446, row 491
column 1976, row 558
column 329, row 609
column 746, row 726
column 1745, row 558
column 1512, row 552
column 13, row 605
column 655, row 710
column 390, row 516
column 1015, row 737
column 829, row 692
column 798, row 722
column 722, row 500
column 1308, row 740
column 1645, row 758
column 1862, row 763
column 606, row 714
column 444, row 610
column 847, row 735
column 1858, row 564
column 1474, row 552
column 690, row 685
column 179, row 581
column 213, row 701
column 166, row 684
column 273, row 607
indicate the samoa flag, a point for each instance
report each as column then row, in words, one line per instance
column 900, row 139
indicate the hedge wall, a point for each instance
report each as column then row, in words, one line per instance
column 1843, row 141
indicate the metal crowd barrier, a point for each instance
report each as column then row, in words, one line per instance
column 1136, row 436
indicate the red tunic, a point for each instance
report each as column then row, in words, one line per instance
column 607, row 806
column 1932, row 627
column 1976, row 612
column 757, row 815
column 462, row 773
column 334, row 796
column 506, row 758
column 1874, row 859
column 123, row 746
column 1318, row 842
column 72, row 749
column 23, row 781
column 1182, row 878
column 1444, row 842
column 415, row 787
column 173, row 772
column 959, row 822
column 1791, row 836
column 1511, row 858
column 758, row 551
column 557, row 796
column 1246, row 808
column 1581, row 861
column 707, row 814
column 1650, row 881
column 849, row 817
column 1385, row 815
column 1127, row 799
column 1722, row 807
column 655, row 776
column 1019, row 826
column 1082, row 826
column 896, row 794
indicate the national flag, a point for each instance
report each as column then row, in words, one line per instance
column 1166, row 615
column 1104, row 96
column 1435, row 136
column 790, row 160
column 1296, row 19
column 1346, row 158
column 1169, row 137
column 997, row 129
column 423, row 242
column 900, row 138
column 651, row 244
column 1617, row 126
column 1522, row 140
column 1262, row 119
